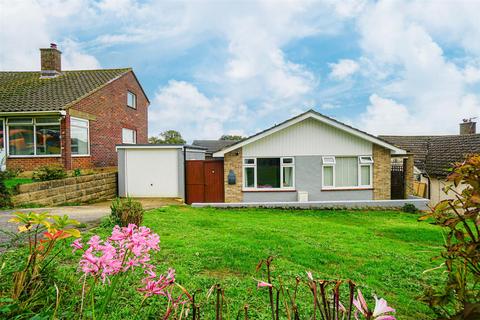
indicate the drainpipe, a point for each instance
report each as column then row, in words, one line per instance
column 185, row 174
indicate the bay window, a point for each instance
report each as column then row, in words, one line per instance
column 346, row 172
column 34, row 136
column 268, row 173
column 79, row 136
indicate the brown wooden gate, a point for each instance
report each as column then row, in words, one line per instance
column 204, row 181
column 398, row 181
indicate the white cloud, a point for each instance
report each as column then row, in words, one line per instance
column 329, row 106
column 27, row 26
column 431, row 87
column 344, row 68
column 181, row 106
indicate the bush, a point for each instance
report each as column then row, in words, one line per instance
column 5, row 200
column 52, row 172
column 12, row 173
column 459, row 218
column 126, row 211
column 409, row 208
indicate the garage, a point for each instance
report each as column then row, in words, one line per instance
column 147, row 171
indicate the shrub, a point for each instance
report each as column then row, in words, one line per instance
column 459, row 219
column 52, row 172
column 409, row 208
column 126, row 211
column 5, row 200
column 12, row 173
column 77, row 173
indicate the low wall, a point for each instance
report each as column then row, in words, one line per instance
column 419, row 203
column 75, row 189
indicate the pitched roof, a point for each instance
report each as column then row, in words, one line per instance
column 213, row 145
column 318, row 116
column 435, row 154
column 26, row 91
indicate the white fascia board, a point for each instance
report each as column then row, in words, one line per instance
column 133, row 146
column 32, row 113
column 330, row 122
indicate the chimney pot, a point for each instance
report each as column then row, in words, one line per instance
column 468, row 127
column 50, row 61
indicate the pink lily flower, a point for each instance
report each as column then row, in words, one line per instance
column 379, row 313
column 77, row 245
column 262, row 284
column 309, row 275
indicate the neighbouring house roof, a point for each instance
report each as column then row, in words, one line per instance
column 27, row 92
column 434, row 155
column 213, row 146
column 320, row 117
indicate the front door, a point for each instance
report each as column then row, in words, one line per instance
column 214, row 181
column 3, row 158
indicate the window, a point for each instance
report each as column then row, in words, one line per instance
column 131, row 100
column 129, row 136
column 269, row 173
column 347, row 172
column 34, row 136
column 79, row 135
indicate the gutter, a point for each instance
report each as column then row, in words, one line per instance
column 23, row 113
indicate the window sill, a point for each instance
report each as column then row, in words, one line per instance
column 35, row 156
column 80, row 155
column 269, row 190
column 347, row 189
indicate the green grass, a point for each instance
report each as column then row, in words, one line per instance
column 13, row 182
column 384, row 252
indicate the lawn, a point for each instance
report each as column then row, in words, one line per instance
column 13, row 182
column 384, row 252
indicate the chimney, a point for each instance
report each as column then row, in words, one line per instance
column 50, row 61
column 468, row 126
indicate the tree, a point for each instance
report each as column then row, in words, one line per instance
column 231, row 137
column 167, row 137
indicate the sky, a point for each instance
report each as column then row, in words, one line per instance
column 237, row 67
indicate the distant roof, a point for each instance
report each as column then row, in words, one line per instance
column 435, row 154
column 320, row 117
column 213, row 145
column 26, row 91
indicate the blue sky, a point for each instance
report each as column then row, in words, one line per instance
column 215, row 67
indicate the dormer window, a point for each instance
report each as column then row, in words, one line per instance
column 131, row 100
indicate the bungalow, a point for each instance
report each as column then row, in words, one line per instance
column 71, row 118
column 311, row 157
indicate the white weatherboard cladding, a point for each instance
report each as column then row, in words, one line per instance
column 306, row 138
column 152, row 172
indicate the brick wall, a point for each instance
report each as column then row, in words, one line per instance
column 381, row 173
column 108, row 106
column 409, row 176
column 32, row 163
column 233, row 161
column 82, row 163
column 75, row 189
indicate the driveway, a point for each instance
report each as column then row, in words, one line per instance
column 85, row 214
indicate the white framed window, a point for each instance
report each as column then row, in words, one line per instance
column 131, row 100
column 347, row 172
column 129, row 136
column 269, row 173
column 79, row 136
column 29, row 137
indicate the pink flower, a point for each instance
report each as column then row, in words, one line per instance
column 380, row 311
column 262, row 284
column 77, row 245
column 309, row 276
column 159, row 286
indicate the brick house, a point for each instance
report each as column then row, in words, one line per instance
column 71, row 118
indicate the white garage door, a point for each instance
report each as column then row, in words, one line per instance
column 152, row 173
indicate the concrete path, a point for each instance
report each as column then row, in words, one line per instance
column 85, row 214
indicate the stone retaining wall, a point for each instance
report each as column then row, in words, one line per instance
column 75, row 189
